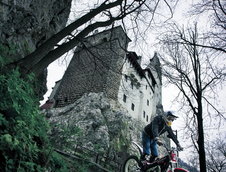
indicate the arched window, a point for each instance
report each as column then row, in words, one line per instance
column 124, row 97
column 132, row 106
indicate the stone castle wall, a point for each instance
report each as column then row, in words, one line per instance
column 95, row 67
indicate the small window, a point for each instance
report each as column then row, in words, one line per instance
column 131, row 85
column 132, row 106
column 146, row 87
column 105, row 39
column 65, row 99
column 144, row 114
column 126, row 78
column 124, row 97
column 57, row 102
column 148, row 102
column 149, row 76
column 147, row 118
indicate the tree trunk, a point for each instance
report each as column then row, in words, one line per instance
column 202, row 154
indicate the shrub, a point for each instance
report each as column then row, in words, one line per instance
column 24, row 144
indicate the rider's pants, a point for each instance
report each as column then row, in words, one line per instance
column 149, row 145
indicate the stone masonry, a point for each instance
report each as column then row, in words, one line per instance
column 95, row 67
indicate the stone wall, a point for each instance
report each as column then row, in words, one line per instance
column 95, row 67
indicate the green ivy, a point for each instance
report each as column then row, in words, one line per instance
column 6, row 51
column 24, row 144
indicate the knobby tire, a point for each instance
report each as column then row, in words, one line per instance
column 131, row 164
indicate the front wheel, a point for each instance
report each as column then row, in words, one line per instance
column 132, row 164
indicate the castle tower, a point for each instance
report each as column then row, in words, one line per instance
column 156, row 69
column 95, row 67
column 155, row 66
column 140, row 89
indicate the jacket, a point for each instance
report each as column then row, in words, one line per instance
column 157, row 127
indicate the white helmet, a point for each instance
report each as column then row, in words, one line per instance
column 169, row 118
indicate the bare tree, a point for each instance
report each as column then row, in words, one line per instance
column 102, row 14
column 216, row 155
column 196, row 73
column 215, row 10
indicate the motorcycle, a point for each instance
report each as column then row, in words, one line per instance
column 168, row 163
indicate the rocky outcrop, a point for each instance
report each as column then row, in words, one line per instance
column 95, row 123
column 26, row 24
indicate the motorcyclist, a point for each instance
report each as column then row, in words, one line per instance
column 150, row 135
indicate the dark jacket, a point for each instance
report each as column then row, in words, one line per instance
column 157, row 127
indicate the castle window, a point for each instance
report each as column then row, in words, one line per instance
column 146, row 87
column 148, row 102
column 132, row 106
column 126, row 78
column 124, row 97
column 105, row 39
column 144, row 114
column 153, row 83
column 149, row 76
column 65, row 99
column 147, row 118
column 57, row 102
column 131, row 85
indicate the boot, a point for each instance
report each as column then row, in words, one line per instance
column 152, row 159
column 144, row 157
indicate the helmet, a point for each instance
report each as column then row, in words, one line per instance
column 169, row 118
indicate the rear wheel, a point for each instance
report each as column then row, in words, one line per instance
column 132, row 164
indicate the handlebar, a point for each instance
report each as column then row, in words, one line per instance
column 164, row 145
column 172, row 149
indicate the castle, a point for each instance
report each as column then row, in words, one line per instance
column 102, row 63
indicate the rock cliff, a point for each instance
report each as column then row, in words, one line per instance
column 94, row 123
column 26, row 24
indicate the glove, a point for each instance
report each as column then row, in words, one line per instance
column 158, row 141
column 179, row 148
